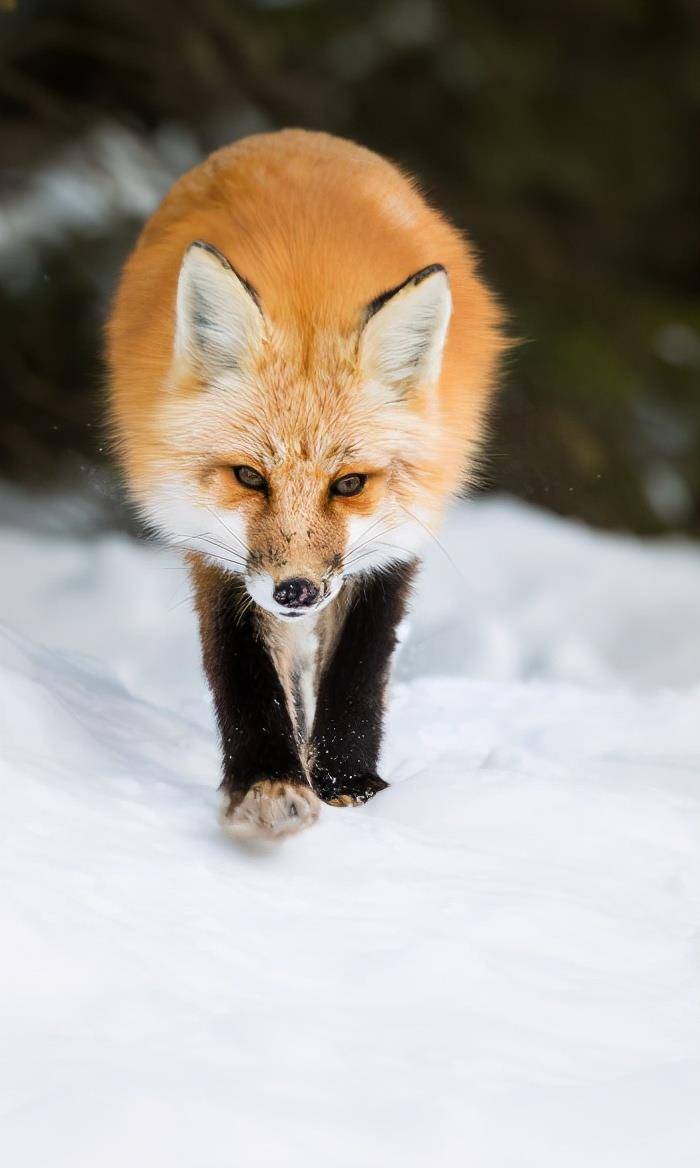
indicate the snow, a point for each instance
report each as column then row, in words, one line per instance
column 494, row 963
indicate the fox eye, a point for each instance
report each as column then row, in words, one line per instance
column 349, row 485
column 251, row 478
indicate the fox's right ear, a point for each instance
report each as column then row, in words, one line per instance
column 220, row 326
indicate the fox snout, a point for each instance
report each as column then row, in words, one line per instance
column 292, row 595
column 296, row 592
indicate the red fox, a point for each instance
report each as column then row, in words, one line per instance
column 301, row 356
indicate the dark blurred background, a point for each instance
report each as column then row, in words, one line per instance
column 563, row 136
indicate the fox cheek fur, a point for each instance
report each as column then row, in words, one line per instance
column 301, row 356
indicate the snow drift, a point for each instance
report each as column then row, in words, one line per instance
column 493, row 963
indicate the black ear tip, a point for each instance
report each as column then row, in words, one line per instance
column 431, row 269
column 411, row 281
column 202, row 245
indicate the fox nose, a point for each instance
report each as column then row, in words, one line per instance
column 296, row 593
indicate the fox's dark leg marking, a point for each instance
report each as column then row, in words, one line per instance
column 257, row 734
column 350, row 704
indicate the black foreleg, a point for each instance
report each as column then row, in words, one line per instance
column 349, row 717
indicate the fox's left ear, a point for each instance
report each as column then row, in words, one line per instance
column 219, row 323
column 403, row 337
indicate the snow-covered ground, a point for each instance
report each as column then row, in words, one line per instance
column 495, row 963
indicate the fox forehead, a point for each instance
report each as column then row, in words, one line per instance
column 324, row 422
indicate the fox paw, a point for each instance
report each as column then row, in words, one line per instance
column 350, row 792
column 269, row 810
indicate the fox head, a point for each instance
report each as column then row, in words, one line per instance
column 299, row 453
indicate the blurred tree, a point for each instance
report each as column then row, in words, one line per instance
column 562, row 137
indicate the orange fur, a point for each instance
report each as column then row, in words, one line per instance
column 319, row 227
